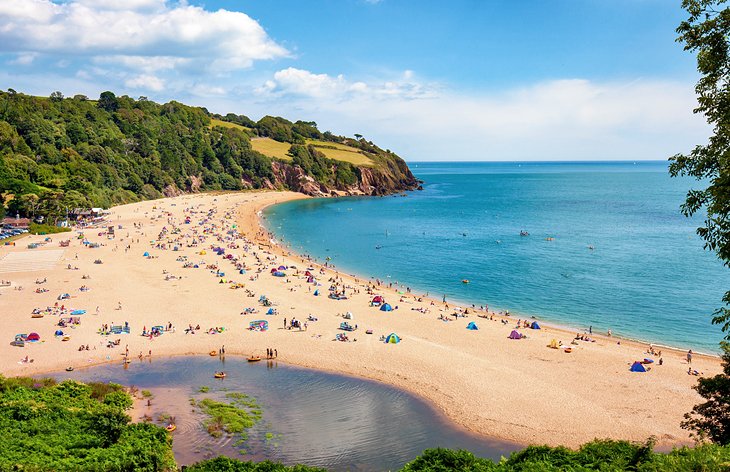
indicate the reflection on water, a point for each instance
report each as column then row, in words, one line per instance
column 309, row 417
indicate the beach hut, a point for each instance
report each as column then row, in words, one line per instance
column 392, row 339
column 386, row 307
column 534, row 325
column 472, row 326
column 33, row 337
column 515, row 334
column 637, row 367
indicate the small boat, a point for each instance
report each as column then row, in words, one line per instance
column 170, row 428
column 220, row 375
column 465, row 281
column 69, row 369
column 213, row 353
column 254, row 358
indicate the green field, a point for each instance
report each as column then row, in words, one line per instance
column 226, row 124
column 271, row 148
column 341, row 152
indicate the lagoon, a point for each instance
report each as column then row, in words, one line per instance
column 309, row 417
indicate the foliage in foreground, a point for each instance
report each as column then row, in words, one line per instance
column 707, row 33
column 75, row 426
column 603, row 455
column 226, row 464
column 711, row 420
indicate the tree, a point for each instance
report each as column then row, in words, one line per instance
column 56, row 96
column 108, row 101
column 358, row 136
column 706, row 32
column 709, row 420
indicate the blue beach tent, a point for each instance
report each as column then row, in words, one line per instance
column 472, row 326
column 392, row 339
column 637, row 367
column 316, row 293
column 534, row 325
column 146, row 254
column 386, row 307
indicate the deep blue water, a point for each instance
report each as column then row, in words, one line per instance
column 647, row 276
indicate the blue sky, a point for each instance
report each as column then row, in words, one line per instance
column 458, row 80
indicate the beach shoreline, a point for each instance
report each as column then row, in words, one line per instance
column 284, row 250
column 518, row 391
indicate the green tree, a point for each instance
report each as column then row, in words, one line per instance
column 706, row 33
column 56, row 96
column 108, row 101
column 709, row 420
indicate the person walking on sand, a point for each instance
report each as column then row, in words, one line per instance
column 689, row 356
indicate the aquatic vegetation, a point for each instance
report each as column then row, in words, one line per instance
column 204, row 389
column 236, row 416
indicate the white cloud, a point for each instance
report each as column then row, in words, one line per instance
column 222, row 39
column 303, row 83
column 143, row 63
column 23, row 59
column 146, row 82
column 560, row 119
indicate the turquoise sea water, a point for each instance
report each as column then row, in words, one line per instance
column 647, row 276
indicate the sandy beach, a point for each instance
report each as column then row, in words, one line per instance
column 519, row 390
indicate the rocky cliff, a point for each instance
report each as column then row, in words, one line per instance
column 370, row 181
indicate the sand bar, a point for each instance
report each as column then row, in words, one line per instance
column 517, row 390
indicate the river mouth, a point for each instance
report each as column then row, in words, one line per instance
column 309, row 417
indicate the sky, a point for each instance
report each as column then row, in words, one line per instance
column 463, row 80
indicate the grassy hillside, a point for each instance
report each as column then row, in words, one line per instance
column 61, row 153
column 334, row 151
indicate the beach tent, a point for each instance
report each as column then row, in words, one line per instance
column 637, row 367
column 377, row 300
column 274, row 270
column 392, row 339
column 279, row 273
column 146, row 254
column 308, row 274
column 282, row 267
column 386, row 307
column 515, row 334
column 472, row 326
column 58, row 333
column 258, row 325
column 316, row 293
column 270, row 311
column 534, row 325
column 33, row 337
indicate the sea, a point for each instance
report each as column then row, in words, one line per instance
column 585, row 245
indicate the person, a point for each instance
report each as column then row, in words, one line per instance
column 689, row 356
column 661, row 361
column 590, row 329
column 276, row 353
